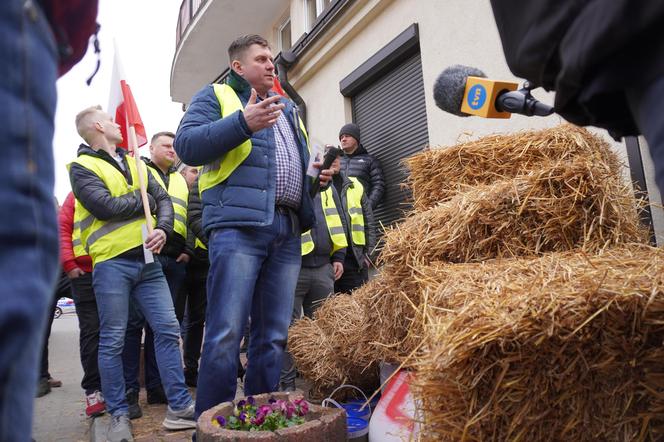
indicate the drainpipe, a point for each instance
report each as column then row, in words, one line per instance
column 286, row 60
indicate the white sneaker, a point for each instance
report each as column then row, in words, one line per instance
column 119, row 429
column 180, row 420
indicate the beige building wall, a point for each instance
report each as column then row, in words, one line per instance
column 451, row 32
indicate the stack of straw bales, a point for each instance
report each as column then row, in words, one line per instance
column 508, row 281
column 563, row 347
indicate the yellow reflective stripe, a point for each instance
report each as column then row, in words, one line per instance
column 199, row 244
column 178, row 201
column 85, row 222
column 333, row 221
column 337, row 230
column 354, row 202
column 307, row 243
column 179, row 217
column 106, row 229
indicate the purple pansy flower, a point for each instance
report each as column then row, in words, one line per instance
column 221, row 421
column 251, row 401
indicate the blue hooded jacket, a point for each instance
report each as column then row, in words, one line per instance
column 247, row 197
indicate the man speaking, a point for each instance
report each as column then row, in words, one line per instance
column 256, row 203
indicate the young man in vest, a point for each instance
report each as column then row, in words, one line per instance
column 359, row 163
column 78, row 265
column 173, row 258
column 323, row 254
column 255, row 205
column 361, row 232
column 109, row 211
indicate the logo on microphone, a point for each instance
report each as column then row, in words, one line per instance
column 476, row 97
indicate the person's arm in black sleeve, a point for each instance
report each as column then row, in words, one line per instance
column 195, row 214
column 165, row 214
column 377, row 183
column 190, row 243
column 93, row 194
column 370, row 227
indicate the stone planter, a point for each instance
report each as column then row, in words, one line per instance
column 322, row 424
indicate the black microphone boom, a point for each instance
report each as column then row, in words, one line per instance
column 522, row 102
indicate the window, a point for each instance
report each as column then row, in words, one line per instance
column 285, row 41
column 314, row 8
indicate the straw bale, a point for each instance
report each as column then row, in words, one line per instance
column 563, row 347
column 335, row 347
column 313, row 353
column 438, row 174
column 565, row 205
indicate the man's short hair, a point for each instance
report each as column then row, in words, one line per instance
column 241, row 44
column 162, row 134
column 84, row 121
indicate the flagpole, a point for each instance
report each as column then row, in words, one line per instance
column 133, row 146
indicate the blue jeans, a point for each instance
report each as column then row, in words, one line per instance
column 115, row 281
column 253, row 271
column 28, row 229
column 175, row 273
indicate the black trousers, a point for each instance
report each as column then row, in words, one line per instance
column 88, row 325
column 353, row 276
column 62, row 288
column 196, row 303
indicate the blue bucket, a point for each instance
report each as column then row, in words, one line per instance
column 354, row 409
column 358, row 429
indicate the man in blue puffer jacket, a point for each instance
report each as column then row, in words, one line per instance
column 256, row 203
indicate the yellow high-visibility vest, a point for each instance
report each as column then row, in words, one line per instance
column 354, row 206
column 179, row 193
column 104, row 240
column 198, row 243
column 76, row 241
column 334, row 226
column 219, row 170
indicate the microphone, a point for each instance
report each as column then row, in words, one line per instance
column 463, row 91
column 330, row 155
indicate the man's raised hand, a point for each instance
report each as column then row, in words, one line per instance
column 264, row 114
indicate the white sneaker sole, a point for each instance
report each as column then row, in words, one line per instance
column 179, row 424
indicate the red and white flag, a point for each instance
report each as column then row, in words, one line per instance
column 122, row 106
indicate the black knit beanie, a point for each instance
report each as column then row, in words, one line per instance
column 351, row 129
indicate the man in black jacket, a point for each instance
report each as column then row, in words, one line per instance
column 357, row 162
column 604, row 59
column 109, row 214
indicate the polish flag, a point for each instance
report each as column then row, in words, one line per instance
column 276, row 86
column 122, row 107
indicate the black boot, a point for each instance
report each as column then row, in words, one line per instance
column 132, row 402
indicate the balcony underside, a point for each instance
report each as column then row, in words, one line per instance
column 202, row 53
